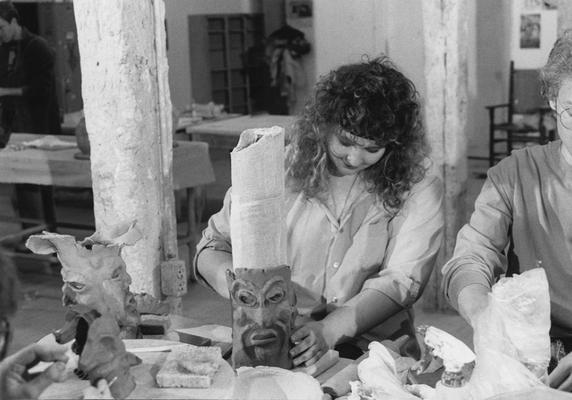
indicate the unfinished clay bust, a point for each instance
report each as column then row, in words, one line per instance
column 94, row 275
column 104, row 357
column 263, row 314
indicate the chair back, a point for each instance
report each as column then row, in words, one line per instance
column 524, row 91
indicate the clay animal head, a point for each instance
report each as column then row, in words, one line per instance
column 94, row 274
column 263, row 313
column 104, row 356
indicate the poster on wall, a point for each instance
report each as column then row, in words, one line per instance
column 534, row 31
column 530, row 31
column 300, row 11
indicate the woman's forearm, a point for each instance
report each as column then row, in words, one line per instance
column 212, row 266
column 472, row 300
column 360, row 314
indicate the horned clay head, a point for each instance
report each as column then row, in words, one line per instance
column 94, row 274
column 263, row 313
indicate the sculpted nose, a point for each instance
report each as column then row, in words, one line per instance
column 68, row 301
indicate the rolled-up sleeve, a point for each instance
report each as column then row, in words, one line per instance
column 479, row 250
column 216, row 235
column 416, row 236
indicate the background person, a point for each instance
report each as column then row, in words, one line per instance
column 27, row 77
column 527, row 199
column 28, row 96
column 364, row 219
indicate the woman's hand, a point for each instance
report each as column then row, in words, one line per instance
column 561, row 376
column 310, row 344
column 17, row 383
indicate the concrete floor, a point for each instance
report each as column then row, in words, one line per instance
column 40, row 309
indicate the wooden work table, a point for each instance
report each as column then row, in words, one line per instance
column 145, row 373
column 60, row 168
column 225, row 133
column 222, row 136
column 191, row 165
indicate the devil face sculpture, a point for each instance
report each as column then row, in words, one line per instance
column 263, row 314
column 99, row 281
column 93, row 272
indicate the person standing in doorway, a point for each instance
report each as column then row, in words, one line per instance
column 27, row 77
column 28, row 96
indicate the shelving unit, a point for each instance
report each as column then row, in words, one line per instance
column 219, row 45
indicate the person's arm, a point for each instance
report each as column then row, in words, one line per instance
column 17, row 383
column 212, row 266
column 472, row 300
column 214, row 251
column 561, row 377
column 364, row 311
column 479, row 251
column 415, row 240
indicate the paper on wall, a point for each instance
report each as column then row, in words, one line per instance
column 257, row 217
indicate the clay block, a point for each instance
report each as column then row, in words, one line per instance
column 173, row 278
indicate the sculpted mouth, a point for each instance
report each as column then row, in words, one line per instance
column 263, row 337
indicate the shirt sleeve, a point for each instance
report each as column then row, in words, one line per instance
column 479, row 251
column 415, row 238
column 217, row 233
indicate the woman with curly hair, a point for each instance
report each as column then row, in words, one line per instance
column 526, row 199
column 364, row 218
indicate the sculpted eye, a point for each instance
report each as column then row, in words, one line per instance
column 76, row 285
column 246, row 298
column 276, row 295
column 116, row 273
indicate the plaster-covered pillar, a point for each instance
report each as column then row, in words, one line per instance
column 445, row 36
column 128, row 119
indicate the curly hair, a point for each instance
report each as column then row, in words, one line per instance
column 558, row 66
column 370, row 99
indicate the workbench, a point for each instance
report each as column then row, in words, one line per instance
column 222, row 136
column 225, row 133
column 48, row 169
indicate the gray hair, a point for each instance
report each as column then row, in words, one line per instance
column 558, row 67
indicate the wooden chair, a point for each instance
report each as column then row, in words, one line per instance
column 520, row 121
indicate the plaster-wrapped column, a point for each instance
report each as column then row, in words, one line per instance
column 128, row 119
column 445, row 34
column 261, row 293
column 257, row 218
